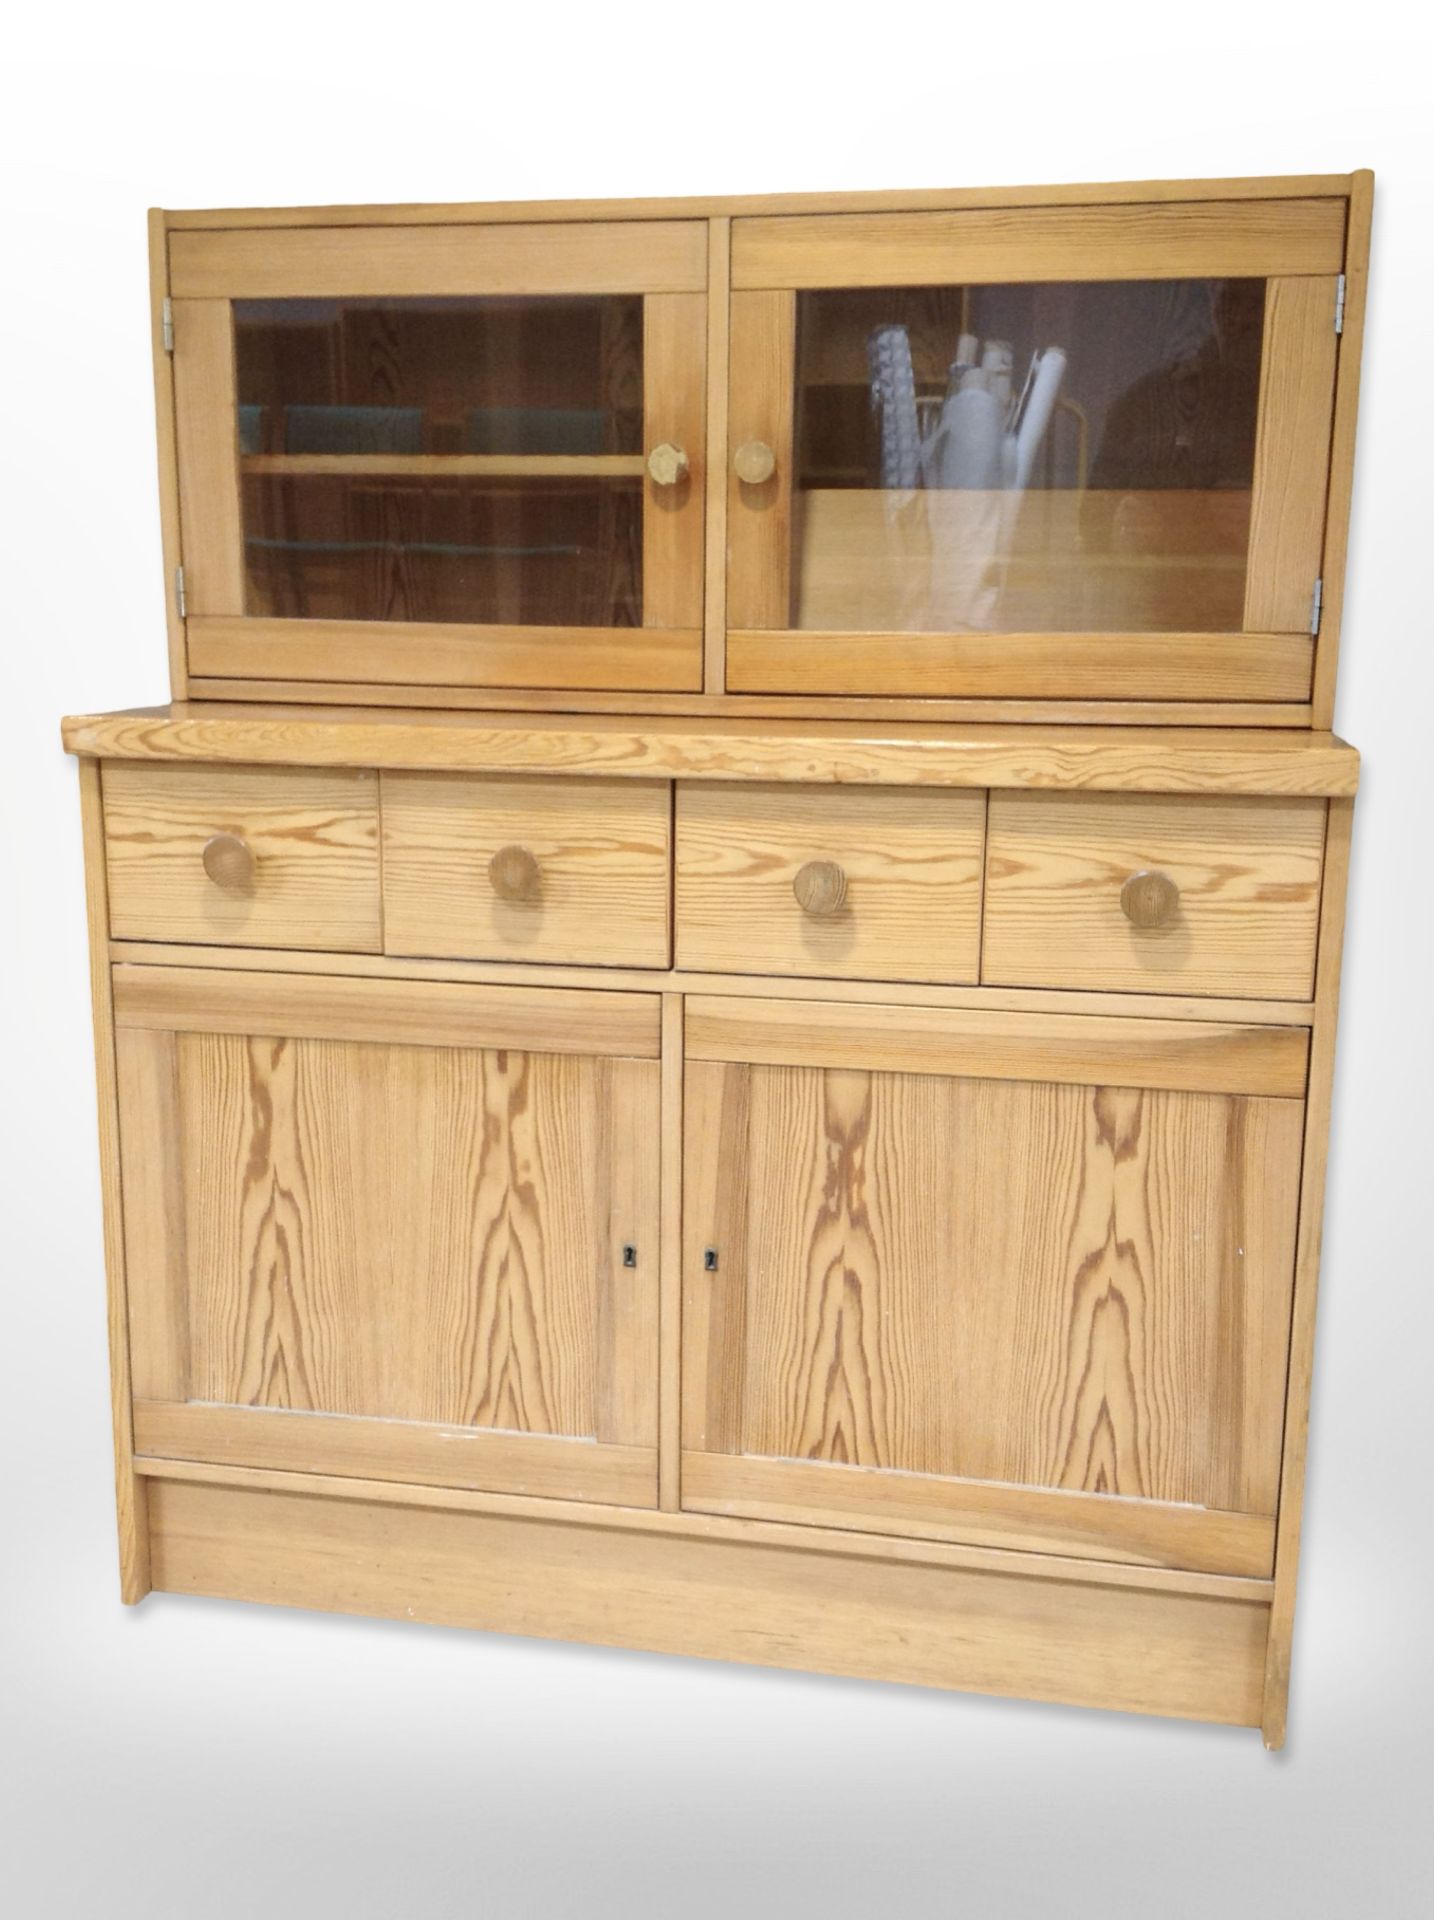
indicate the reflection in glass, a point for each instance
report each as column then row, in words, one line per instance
column 466, row 460
column 1031, row 458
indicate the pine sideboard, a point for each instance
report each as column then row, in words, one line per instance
column 715, row 998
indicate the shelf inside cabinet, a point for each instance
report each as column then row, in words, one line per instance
column 456, row 466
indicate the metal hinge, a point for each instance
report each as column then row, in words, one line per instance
column 181, row 604
column 166, row 324
column 1339, row 304
column 1316, row 609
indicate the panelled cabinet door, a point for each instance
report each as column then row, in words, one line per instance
column 462, row 456
column 1061, row 453
column 392, row 1230
column 1012, row 1280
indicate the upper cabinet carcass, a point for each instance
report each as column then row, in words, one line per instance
column 1063, row 452
column 448, row 456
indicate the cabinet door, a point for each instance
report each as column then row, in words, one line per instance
column 1014, row 1280
column 458, row 456
column 392, row 1230
column 1067, row 453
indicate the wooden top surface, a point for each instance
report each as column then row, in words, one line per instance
column 1104, row 759
column 710, row 206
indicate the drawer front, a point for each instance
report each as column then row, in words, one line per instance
column 855, row 883
column 1228, row 902
column 574, row 871
column 243, row 856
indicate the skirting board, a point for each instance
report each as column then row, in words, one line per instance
column 1078, row 1643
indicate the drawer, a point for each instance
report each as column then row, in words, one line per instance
column 481, row 868
column 1229, row 903
column 873, row 883
column 243, row 856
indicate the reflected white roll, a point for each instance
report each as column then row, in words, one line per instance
column 1036, row 416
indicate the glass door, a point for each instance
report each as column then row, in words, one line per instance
column 457, row 457
column 1076, row 454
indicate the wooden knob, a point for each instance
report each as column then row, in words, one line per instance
column 820, row 887
column 1150, row 899
column 755, row 462
column 667, row 464
column 229, row 861
column 514, row 873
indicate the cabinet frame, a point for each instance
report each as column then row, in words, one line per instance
column 1297, row 247
column 1262, row 678
column 664, row 262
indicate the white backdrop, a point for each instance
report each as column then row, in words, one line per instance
column 194, row 1758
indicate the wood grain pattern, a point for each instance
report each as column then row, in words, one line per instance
column 1063, row 1049
column 1139, row 1651
column 1083, row 1288
column 1049, row 560
column 622, row 256
column 760, row 407
column 164, row 419
column 1205, row 1010
column 674, row 409
column 1093, row 242
column 1248, row 872
column 1073, row 1525
column 719, row 333
column 602, row 853
column 541, row 1466
column 408, row 1236
column 537, row 700
column 1307, row 1260
column 912, row 861
column 417, row 1013
column 726, row 1529
column 1292, row 455
column 1342, row 443
column 1112, row 759
column 131, row 1497
column 430, row 653
column 704, row 206
column 313, row 836
column 156, row 1250
column 207, row 449
column 1037, row 666
column 669, row 1360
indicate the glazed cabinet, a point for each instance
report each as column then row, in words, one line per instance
column 1031, row 453
column 1007, row 454
column 458, row 456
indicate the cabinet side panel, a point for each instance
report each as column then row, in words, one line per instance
column 1311, row 1226
column 131, row 1499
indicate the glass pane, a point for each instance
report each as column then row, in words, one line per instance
column 470, row 460
column 1039, row 458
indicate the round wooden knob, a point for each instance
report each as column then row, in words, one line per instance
column 820, row 887
column 667, row 464
column 755, row 462
column 1150, row 899
column 229, row 861
column 514, row 873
